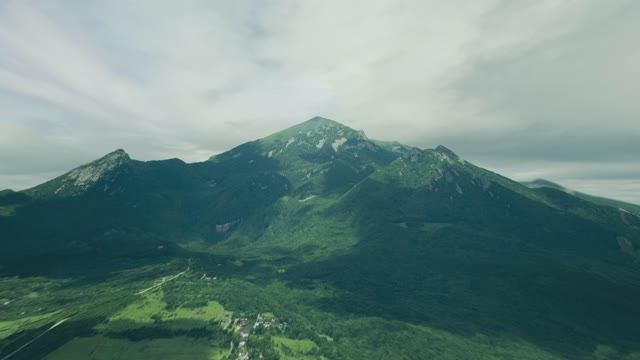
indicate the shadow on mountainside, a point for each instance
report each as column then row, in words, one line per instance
column 502, row 266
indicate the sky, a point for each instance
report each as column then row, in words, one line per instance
column 530, row 89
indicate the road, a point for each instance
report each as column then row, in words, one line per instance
column 35, row 338
column 164, row 281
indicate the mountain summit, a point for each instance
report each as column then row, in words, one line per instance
column 319, row 133
column 85, row 177
column 347, row 247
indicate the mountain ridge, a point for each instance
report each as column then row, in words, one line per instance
column 626, row 206
column 365, row 231
column 315, row 123
column 84, row 177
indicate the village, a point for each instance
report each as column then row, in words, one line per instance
column 246, row 328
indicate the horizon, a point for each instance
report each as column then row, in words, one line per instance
column 545, row 90
column 310, row 119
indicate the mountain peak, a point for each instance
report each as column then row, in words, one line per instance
column 319, row 120
column 90, row 173
column 318, row 130
column 116, row 154
column 445, row 150
column 84, row 177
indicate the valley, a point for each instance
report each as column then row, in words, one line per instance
column 185, row 317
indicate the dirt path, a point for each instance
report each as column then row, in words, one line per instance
column 164, row 281
column 310, row 197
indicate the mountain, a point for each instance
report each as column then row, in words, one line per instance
column 102, row 172
column 546, row 184
column 315, row 242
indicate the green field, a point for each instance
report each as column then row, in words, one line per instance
column 167, row 324
column 103, row 348
column 9, row 327
column 295, row 349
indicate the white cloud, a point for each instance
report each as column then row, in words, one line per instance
column 499, row 81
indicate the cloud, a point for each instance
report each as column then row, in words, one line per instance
column 523, row 88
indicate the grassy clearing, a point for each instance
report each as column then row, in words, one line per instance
column 296, row 349
column 8, row 328
column 152, row 309
column 142, row 311
column 299, row 346
column 103, row 348
column 213, row 311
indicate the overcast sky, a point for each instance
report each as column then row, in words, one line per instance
column 530, row 89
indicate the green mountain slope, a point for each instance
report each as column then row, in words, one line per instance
column 359, row 248
column 541, row 183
